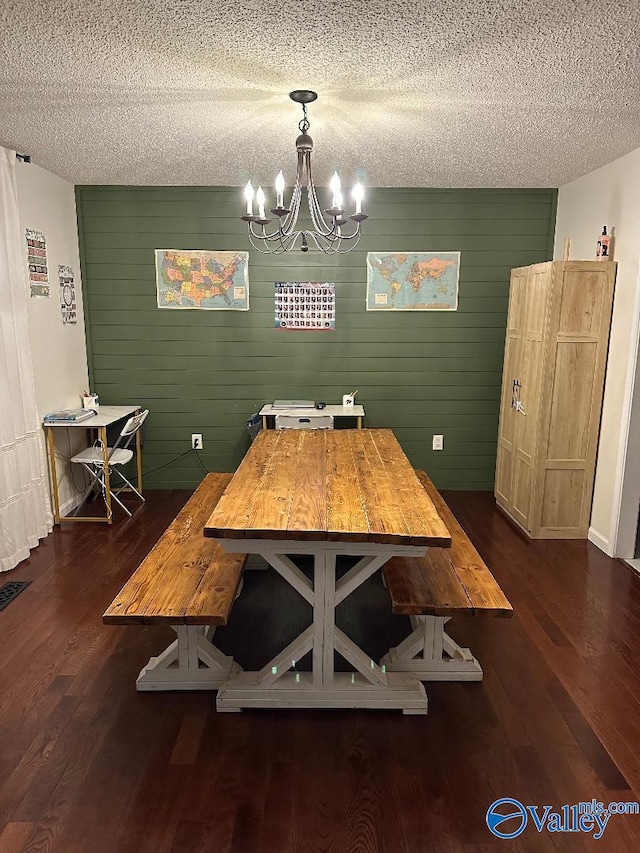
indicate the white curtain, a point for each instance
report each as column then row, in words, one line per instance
column 25, row 509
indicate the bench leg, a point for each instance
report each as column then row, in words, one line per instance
column 191, row 662
column 431, row 654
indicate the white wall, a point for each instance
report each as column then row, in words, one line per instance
column 611, row 196
column 47, row 203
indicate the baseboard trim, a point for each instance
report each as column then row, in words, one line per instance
column 600, row 541
column 70, row 504
column 633, row 564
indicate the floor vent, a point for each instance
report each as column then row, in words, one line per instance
column 11, row 590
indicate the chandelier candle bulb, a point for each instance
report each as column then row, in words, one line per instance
column 358, row 193
column 335, row 186
column 280, row 190
column 260, row 201
column 248, row 194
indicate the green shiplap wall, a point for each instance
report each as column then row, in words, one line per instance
column 419, row 373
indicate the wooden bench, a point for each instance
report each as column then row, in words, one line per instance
column 190, row 583
column 430, row 590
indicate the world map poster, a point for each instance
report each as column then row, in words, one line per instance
column 213, row 281
column 412, row 281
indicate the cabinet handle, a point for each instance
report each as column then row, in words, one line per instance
column 515, row 394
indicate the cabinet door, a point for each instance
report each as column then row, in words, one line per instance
column 506, row 428
column 577, row 356
column 530, row 365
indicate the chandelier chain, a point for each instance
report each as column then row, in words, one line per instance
column 304, row 124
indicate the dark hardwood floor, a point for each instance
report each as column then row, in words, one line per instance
column 89, row 765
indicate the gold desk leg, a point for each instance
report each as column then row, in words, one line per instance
column 54, row 476
column 359, row 422
column 264, row 422
column 139, row 456
column 107, row 483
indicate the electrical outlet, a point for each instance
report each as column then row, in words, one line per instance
column 438, row 442
column 196, row 441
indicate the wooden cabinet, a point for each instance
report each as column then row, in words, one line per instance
column 552, row 385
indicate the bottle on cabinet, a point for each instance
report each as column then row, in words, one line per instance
column 603, row 245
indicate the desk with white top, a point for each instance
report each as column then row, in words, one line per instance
column 269, row 412
column 106, row 416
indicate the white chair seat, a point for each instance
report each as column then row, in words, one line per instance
column 93, row 461
column 93, row 456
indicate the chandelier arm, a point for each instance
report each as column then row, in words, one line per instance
column 292, row 240
column 319, row 222
column 348, row 237
column 317, row 217
column 264, row 249
column 333, row 237
column 335, row 245
column 273, row 237
column 265, row 246
column 296, row 199
column 288, row 241
column 318, row 239
column 266, row 240
column 278, row 242
column 337, row 237
column 352, row 246
column 296, row 196
column 262, row 234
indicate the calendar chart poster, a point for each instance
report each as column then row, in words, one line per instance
column 37, row 261
column 67, row 296
column 305, row 306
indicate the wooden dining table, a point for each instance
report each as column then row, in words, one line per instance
column 325, row 493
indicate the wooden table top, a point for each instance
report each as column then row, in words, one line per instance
column 340, row 485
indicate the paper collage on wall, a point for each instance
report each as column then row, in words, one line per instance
column 305, row 306
column 37, row 261
column 194, row 279
column 412, row 281
column 67, row 296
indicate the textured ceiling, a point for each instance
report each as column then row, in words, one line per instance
column 446, row 93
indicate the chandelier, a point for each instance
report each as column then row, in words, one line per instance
column 327, row 232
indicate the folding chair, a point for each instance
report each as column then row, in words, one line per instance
column 93, row 461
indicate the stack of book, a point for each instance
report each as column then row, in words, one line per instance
column 69, row 416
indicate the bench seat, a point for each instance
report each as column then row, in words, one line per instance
column 446, row 582
column 190, row 583
column 185, row 579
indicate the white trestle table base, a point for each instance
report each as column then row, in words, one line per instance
column 402, row 691
column 275, row 685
